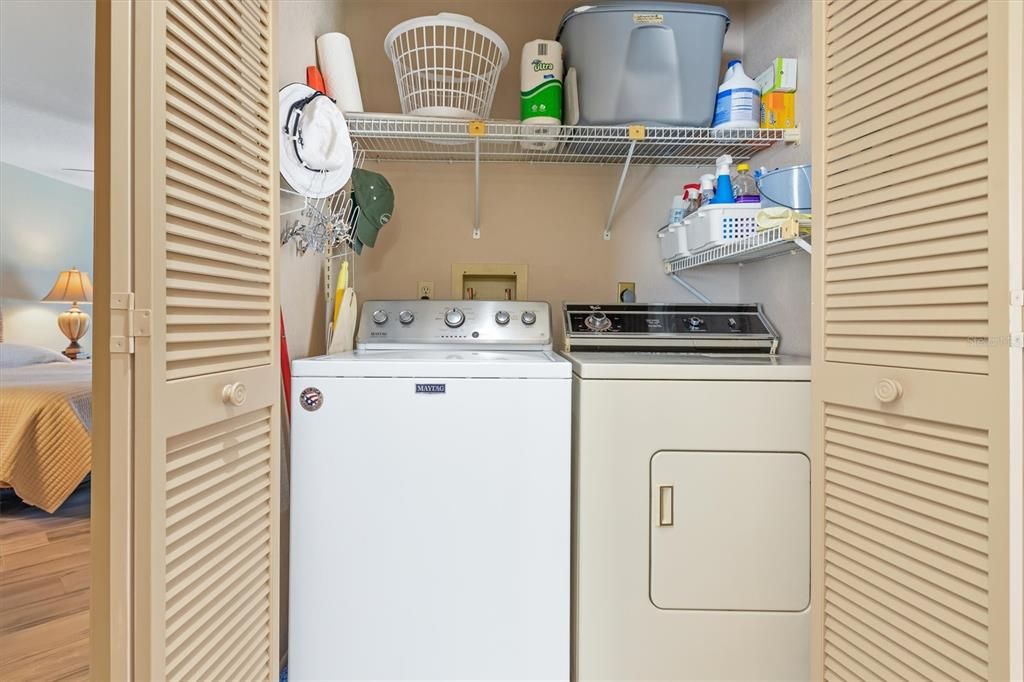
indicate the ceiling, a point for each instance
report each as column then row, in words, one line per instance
column 47, row 57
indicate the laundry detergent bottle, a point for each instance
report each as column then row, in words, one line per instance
column 738, row 104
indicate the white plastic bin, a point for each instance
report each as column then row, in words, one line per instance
column 717, row 224
column 672, row 242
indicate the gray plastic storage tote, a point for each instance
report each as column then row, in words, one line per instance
column 655, row 62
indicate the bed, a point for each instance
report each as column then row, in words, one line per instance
column 45, row 423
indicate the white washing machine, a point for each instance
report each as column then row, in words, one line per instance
column 691, row 495
column 430, row 508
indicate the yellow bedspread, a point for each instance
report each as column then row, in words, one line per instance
column 45, row 419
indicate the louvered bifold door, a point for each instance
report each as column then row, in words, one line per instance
column 207, row 476
column 916, row 133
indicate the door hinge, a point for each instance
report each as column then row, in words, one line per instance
column 131, row 322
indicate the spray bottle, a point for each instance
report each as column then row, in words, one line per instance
column 707, row 189
column 723, row 190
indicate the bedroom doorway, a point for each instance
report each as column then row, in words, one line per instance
column 47, row 50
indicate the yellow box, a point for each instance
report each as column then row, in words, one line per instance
column 778, row 110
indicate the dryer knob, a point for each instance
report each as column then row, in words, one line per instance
column 380, row 316
column 529, row 317
column 406, row 317
column 502, row 317
column 454, row 317
column 597, row 322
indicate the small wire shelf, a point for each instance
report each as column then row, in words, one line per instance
column 413, row 138
column 765, row 244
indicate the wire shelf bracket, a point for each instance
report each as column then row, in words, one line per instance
column 775, row 241
column 400, row 137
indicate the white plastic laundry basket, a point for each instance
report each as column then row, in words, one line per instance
column 446, row 65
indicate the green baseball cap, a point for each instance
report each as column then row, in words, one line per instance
column 372, row 193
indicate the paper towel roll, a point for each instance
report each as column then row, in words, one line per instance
column 334, row 53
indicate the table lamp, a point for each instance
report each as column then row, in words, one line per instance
column 71, row 287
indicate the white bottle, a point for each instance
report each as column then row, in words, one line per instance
column 707, row 188
column 738, row 104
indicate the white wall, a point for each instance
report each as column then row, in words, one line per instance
column 45, row 227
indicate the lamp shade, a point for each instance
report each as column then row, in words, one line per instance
column 72, row 286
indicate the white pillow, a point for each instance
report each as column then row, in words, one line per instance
column 19, row 355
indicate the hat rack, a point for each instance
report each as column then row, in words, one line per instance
column 322, row 225
column 325, row 226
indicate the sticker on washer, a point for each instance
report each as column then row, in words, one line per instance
column 430, row 388
column 648, row 18
column 311, row 399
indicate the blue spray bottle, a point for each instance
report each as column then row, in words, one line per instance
column 723, row 189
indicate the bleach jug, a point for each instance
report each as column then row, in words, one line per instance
column 738, row 104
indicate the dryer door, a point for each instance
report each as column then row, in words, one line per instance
column 730, row 531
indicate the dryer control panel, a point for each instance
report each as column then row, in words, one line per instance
column 632, row 327
column 422, row 323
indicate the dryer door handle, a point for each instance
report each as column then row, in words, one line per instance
column 666, row 504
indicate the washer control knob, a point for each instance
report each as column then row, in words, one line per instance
column 454, row 317
column 406, row 317
column 529, row 317
column 380, row 316
column 695, row 322
column 502, row 317
column 597, row 322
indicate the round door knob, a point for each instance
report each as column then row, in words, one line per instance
column 233, row 394
column 380, row 316
column 454, row 317
column 406, row 317
column 888, row 390
column 529, row 317
column 502, row 317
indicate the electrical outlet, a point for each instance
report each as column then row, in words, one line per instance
column 627, row 292
column 424, row 290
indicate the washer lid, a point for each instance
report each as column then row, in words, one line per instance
column 690, row 366
column 451, row 364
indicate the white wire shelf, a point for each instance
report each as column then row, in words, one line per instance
column 412, row 138
column 765, row 244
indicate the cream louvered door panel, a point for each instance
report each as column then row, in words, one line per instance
column 914, row 153
column 207, row 467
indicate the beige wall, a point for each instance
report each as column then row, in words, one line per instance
column 552, row 217
column 782, row 29
column 299, row 22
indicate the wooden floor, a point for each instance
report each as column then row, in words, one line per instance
column 44, row 590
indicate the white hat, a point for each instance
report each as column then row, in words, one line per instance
column 316, row 152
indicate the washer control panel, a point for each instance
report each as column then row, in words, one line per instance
column 520, row 325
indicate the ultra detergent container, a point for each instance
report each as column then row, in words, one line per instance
column 655, row 63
